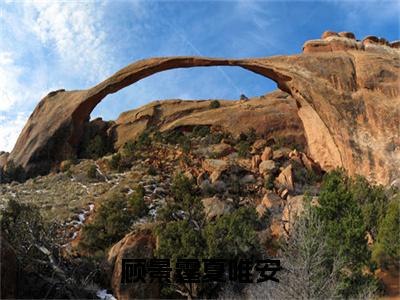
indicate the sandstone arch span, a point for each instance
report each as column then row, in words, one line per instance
column 336, row 92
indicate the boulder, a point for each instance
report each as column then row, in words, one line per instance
column 267, row 154
column 221, row 149
column 285, row 179
column 136, row 245
column 395, row 44
column 215, row 207
column 9, row 271
column 255, row 161
column 281, row 153
column 370, row 39
column 271, row 201
column 266, row 167
column 347, row 34
column 327, row 34
column 248, row 179
column 201, row 177
column 261, row 210
column 258, row 145
column 215, row 165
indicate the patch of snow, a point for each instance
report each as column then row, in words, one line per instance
column 103, row 295
column 74, row 235
column 81, row 217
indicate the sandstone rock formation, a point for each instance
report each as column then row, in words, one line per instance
column 134, row 245
column 272, row 115
column 346, row 91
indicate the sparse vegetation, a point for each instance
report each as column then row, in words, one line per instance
column 12, row 173
column 243, row 149
column 201, row 131
column 215, row 104
column 92, row 172
column 386, row 251
column 138, row 206
column 42, row 271
column 186, row 233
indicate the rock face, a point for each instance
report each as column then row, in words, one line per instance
column 346, row 93
column 274, row 114
column 135, row 245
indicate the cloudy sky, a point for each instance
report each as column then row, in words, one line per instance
column 46, row 46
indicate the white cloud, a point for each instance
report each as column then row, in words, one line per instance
column 46, row 46
column 10, row 129
column 74, row 31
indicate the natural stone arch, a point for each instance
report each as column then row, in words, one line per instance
column 320, row 95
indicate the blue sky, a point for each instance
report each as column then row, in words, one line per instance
column 46, row 46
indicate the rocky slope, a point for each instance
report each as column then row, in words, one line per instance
column 346, row 92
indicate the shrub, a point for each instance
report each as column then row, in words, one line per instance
column 302, row 175
column 93, row 147
column 386, row 250
column 12, row 173
column 201, row 131
column 215, row 104
column 372, row 200
column 185, row 143
column 143, row 140
column 173, row 137
column 243, row 149
column 92, row 172
column 37, row 245
column 269, row 182
column 243, row 97
column 152, row 171
column 111, row 222
column 251, row 136
column 115, row 161
column 137, row 204
column 233, row 235
column 345, row 231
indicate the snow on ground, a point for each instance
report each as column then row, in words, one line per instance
column 102, row 294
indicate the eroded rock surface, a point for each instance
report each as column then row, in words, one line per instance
column 138, row 244
column 346, row 91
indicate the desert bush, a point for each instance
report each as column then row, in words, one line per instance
column 42, row 271
column 345, row 230
column 92, row 172
column 111, row 222
column 308, row 269
column 243, row 149
column 386, row 250
column 185, row 233
column 201, row 131
column 12, row 172
column 243, row 97
column 233, row 235
column 304, row 176
column 215, row 104
column 269, row 181
column 137, row 204
column 94, row 147
column 119, row 162
column 152, row 171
